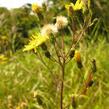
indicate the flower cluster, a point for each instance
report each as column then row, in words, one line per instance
column 46, row 31
column 61, row 22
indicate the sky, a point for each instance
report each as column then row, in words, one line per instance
column 17, row 3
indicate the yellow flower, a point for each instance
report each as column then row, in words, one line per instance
column 36, row 8
column 77, row 6
column 36, row 40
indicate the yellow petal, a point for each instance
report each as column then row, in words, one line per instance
column 35, row 42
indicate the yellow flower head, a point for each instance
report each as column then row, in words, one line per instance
column 77, row 6
column 36, row 40
column 36, row 8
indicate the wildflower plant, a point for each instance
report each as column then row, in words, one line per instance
column 54, row 36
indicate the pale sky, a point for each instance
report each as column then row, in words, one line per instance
column 17, row 3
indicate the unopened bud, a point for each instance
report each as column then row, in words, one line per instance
column 72, row 53
column 90, row 83
column 94, row 69
column 44, row 47
column 74, row 104
column 47, row 54
column 39, row 100
column 78, row 59
column 79, row 64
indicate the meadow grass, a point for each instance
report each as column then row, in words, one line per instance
column 25, row 83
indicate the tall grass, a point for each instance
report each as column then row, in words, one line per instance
column 25, row 83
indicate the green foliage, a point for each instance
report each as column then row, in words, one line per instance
column 15, row 25
column 25, row 80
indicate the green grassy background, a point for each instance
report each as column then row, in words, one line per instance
column 25, row 83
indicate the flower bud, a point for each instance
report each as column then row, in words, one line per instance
column 94, row 69
column 78, row 59
column 43, row 46
column 39, row 100
column 90, row 83
column 74, row 104
column 72, row 53
column 47, row 54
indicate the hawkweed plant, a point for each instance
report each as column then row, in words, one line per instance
column 55, row 34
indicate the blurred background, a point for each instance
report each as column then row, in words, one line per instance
column 17, row 20
column 25, row 83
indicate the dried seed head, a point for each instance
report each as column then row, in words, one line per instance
column 61, row 22
column 49, row 29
